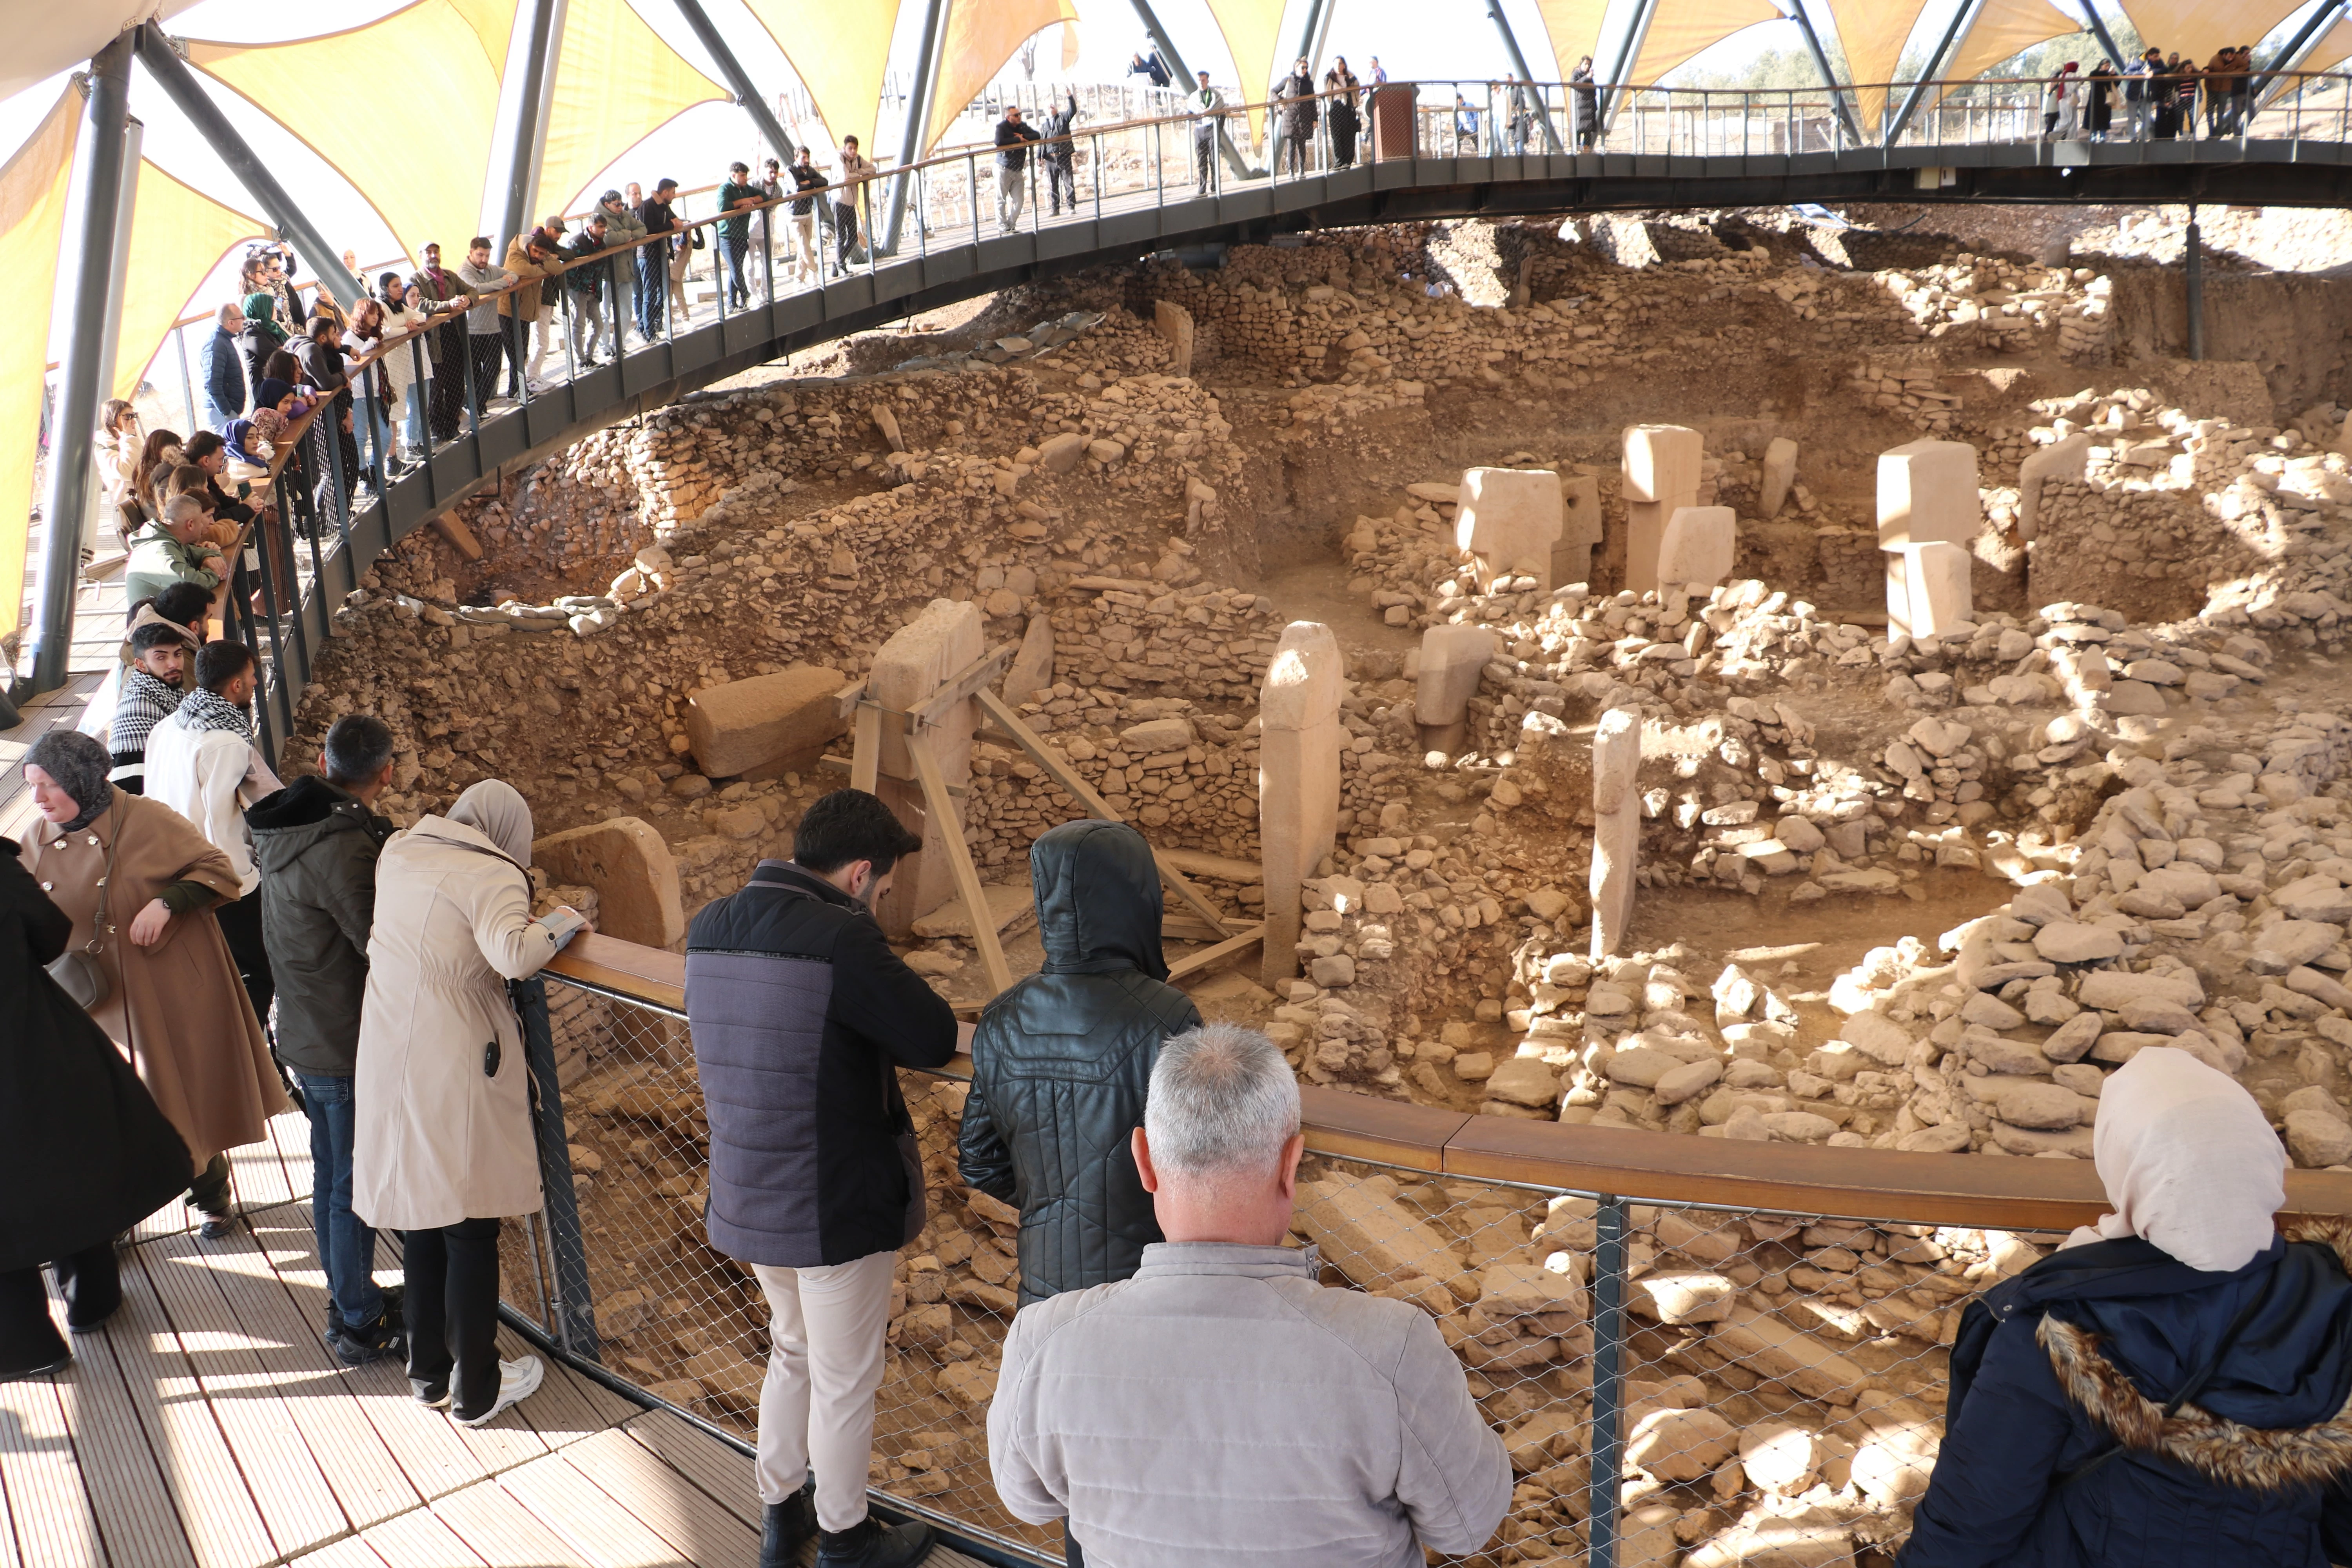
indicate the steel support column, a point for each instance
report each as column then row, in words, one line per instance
column 2192, row 266
column 1310, row 35
column 1828, row 78
column 522, row 169
column 918, row 110
column 180, row 85
column 2291, row 56
column 738, row 80
column 106, row 114
column 1614, row 90
column 1961, row 20
column 1526, row 77
column 1177, row 69
column 2099, row 31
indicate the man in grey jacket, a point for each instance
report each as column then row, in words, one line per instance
column 1220, row 1407
column 316, row 843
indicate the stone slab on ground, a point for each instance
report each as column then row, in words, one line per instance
column 772, row 721
column 1375, row 1240
column 630, row 866
column 1014, row 907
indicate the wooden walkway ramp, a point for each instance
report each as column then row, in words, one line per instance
column 208, row 1426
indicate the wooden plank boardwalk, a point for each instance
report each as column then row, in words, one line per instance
column 208, row 1426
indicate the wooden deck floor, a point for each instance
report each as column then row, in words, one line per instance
column 208, row 1426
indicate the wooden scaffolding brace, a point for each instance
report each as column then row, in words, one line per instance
column 870, row 720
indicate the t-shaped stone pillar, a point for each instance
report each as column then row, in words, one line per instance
column 1927, row 494
column 1699, row 546
column 1929, row 589
column 1508, row 520
column 1616, row 826
column 1572, row 558
column 1297, row 779
column 2066, row 460
column 916, row 662
column 1779, row 473
column 1453, row 656
column 1662, row 472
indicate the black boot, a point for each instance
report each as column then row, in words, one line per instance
column 872, row 1544
column 787, row 1526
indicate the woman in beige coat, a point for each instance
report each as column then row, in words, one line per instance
column 173, row 1001
column 442, row 1148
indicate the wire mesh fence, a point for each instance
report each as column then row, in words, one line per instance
column 1674, row 1384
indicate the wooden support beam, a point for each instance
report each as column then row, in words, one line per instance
column 1210, row 957
column 967, row 875
column 962, row 684
column 1058, row 768
column 848, row 764
column 866, row 756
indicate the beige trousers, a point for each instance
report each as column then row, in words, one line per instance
column 825, row 1328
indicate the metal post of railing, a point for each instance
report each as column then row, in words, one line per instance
column 262, row 564
column 343, row 507
column 1608, row 1384
column 972, row 184
column 2193, row 274
column 575, row 1307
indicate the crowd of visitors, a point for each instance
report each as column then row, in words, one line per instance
column 2159, row 94
column 2167, row 1386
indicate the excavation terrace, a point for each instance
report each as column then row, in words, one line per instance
column 1837, row 689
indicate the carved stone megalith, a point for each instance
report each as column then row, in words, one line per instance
column 2066, row 460
column 1927, row 494
column 1662, row 473
column 1507, row 522
column 1453, row 656
column 1929, row 589
column 1699, row 546
column 1572, row 558
column 1780, row 474
column 1174, row 323
column 1297, row 780
column 919, row 658
column 1616, row 826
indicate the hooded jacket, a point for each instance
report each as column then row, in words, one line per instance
column 1062, row 1061
column 2059, row 1452
column 316, row 848
column 801, row 1014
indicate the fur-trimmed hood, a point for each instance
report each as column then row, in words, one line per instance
column 2230, row 1453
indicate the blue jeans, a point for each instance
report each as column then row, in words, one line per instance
column 738, row 293
column 653, row 289
column 346, row 1245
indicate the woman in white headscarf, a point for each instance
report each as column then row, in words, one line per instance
column 2169, row 1386
column 442, row 1148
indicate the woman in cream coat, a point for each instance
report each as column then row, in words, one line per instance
column 442, row 1148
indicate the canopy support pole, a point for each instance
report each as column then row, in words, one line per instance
column 738, row 80
column 1961, row 21
column 1615, row 90
column 1519, row 64
column 1828, row 78
column 1176, row 66
column 918, row 110
column 522, row 172
column 2099, row 31
column 179, row 84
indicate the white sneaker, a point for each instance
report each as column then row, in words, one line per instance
column 517, row 1380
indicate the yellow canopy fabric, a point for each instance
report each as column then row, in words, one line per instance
column 1574, row 28
column 1684, row 29
column 177, row 236
column 1253, row 30
column 2334, row 46
column 2005, row 28
column 840, row 53
column 1873, row 33
column 2195, row 29
column 32, row 220
column 421, row 163
column 981, row 36
column 615, row 84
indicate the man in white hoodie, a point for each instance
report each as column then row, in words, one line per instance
column 201, row 763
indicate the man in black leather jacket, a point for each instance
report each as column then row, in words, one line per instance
column 1062, row 1061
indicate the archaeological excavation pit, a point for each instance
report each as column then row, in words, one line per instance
column 1723, row 674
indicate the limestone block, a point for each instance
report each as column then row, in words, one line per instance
column 1699, row 545
column 1616, row 828
column 1661, row 474
column 1929, row 589
column 1298, row 778
column 2066, row 460
column 913, row 664
column 1684, row 1297
column 1681, row 1444
column 1376, row 1240
column 769, row 722
column 1927, row 494
column 1060, row 453
column 1453, row 656
column 629, row 865
column 1174, row 323
column 1571, row 557
column 1508, row 520
column 1779, row 473
column 1764, row 1345
column 1032, row 667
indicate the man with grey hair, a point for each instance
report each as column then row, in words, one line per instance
column 1222, row 1406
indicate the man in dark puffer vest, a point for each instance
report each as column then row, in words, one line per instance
column 1061, row 1063
column 799, row 1010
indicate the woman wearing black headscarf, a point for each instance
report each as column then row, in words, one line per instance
column 77, row 1127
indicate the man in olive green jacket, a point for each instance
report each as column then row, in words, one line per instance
column 173, row 551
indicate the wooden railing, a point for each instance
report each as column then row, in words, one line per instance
column 1976, row 1190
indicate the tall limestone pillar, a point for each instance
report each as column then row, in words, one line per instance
column 1297, row 779
column 1661, row 466
column 916, row 662
column 1616, row 828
